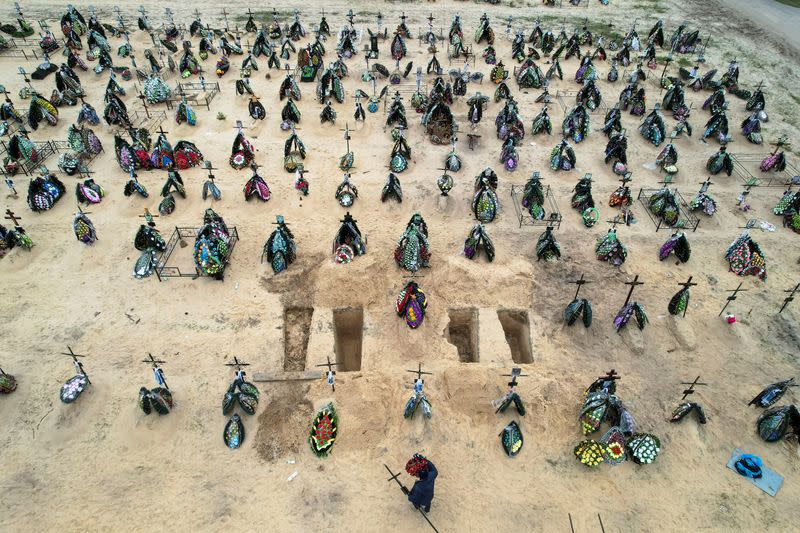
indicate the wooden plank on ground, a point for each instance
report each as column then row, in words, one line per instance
column 307, row 375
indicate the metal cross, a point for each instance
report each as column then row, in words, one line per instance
column 633, row 284
column 236, row 363
column 732, row 297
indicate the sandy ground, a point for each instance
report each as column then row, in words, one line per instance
column 100, row 464
column 779, row 19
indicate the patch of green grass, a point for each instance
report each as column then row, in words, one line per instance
column 793, row 3
column 683, row 62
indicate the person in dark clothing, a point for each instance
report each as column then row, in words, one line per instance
column 421, row 494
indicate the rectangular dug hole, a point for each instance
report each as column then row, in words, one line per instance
column 296, row 331
column 517, row 329
column 348, row 334
column 462, row 332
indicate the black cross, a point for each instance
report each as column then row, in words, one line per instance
column 732, row 297
column 580, row 283
column 405, row 491
column 790, row 297
column 633, row 284
column 331, row 371
column 12, row 217
column 161, row 130
column 704, row 185
column 515, row 373
column 686, row 284
column 625, row 179
column 76, row 362
column 419, row 372
column 688, row 392
column 19, row 9
column 5, row 92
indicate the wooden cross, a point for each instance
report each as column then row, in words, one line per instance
column 76, row 362
column 9, row 181
column 515, row 373
column 159, row 374
column 611, row 375
column 580, row 283
column 12, row 217
column 790, row 297
column 732, row 296
column 405, row 491
column 704, row 185
column 143, row 98
column 225, row 16
column 25, row 77
column 236, row 363
column 161, row 130
column 633, row 284
column 688, row 392
column 686, row 284
column 209, row 166
column 626, row 178
column 346, row 131
column 147, row 215
column 419, row 372
column 331, row 372
column 120, row 21
column 666, row 65
column 6, row 93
